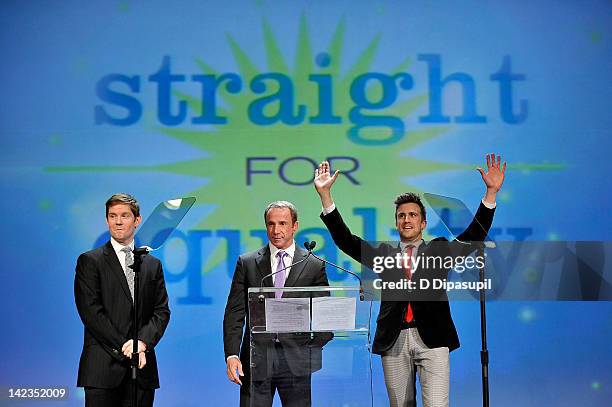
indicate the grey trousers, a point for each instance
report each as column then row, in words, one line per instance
column 408, row 357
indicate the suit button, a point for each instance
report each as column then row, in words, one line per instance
column 115, row 351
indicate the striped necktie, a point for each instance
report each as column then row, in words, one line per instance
column 129, row 272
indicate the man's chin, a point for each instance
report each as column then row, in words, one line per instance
column 280, row 245
column 409, row 238
column 121, row 238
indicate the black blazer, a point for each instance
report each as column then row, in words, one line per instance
column 433, row 318
column 104, row 304
column 304, row 353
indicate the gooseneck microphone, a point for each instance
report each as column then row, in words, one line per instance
column 261, row 296
column 311, row 245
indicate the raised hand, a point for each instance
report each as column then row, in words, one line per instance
column 494, row 177
column 323, row 180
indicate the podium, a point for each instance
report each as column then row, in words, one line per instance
column 316, row 340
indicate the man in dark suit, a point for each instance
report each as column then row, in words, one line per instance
column 284, row 362
column 104, row 292
column 413, row 336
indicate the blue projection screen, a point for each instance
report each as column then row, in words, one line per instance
column 235, row 102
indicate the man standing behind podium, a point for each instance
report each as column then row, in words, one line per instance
column 417, row 336
column 104, row 296
column 280, row 368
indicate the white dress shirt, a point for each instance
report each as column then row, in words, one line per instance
column 121, row 255
column 287, row 260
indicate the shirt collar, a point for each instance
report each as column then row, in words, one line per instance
column 289, row 250
column 118, row 246
column 415, row 244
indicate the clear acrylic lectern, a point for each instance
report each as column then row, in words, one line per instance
column 316, row 338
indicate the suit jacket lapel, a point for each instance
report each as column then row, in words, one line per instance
column 263, row 267
column 296, row 271
column 422, row 247
column 115, row 268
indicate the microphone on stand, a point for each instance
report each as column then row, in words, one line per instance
column 311, row 245
column 261, row 296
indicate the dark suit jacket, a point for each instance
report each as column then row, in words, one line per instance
column 303, row 351
column 433, row 318
column 104, row 304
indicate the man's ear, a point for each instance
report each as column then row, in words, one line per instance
column 138, row 220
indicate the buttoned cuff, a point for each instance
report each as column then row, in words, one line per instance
column 489, row 205
column 329, row 209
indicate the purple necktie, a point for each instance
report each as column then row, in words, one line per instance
column 280, row 276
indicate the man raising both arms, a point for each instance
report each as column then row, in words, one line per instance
column 413, row 337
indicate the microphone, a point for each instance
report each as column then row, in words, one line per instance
column 142, row 250
column 311, row 245
column 261, row 296
column 138, row 253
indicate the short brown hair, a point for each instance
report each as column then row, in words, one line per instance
column 410, row 197
column 127, row 199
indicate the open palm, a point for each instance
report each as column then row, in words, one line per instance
column 323, row 179
column 495, row 174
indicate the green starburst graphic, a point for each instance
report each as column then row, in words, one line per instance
column 383, row 169
column 229, row 145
